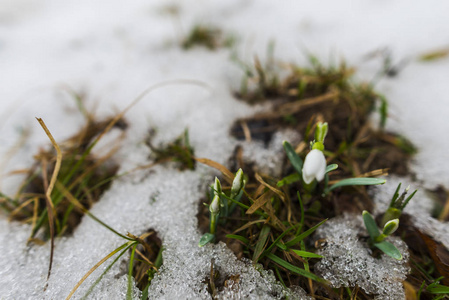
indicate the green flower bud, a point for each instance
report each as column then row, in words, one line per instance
column 391, row 227
column 217, row 187
column 214, row 207
column 237, row 184
column 321, row 132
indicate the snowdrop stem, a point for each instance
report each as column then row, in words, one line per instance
column 213, row 222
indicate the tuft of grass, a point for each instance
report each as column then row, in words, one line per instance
column 209, row 37
column 85, row 175
column 179, row 151
column 147, row 261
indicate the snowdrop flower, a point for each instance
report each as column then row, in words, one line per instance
column 314, row 166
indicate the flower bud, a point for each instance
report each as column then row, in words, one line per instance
column 321, row 132
column 214, row 207
column 391, row 227
column 314, row 166
column 237, row 184
column 217, row 187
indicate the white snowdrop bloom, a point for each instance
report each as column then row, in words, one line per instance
column 314, row 166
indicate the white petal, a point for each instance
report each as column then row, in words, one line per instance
column 322, row 168
column 307, row 178
column 314, row 166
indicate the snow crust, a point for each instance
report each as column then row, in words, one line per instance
column 112, row 51
column 348, row 262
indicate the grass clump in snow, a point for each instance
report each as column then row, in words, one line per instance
column 209, row 37
column 146, row 259
column 179, row 151
column 80, row 173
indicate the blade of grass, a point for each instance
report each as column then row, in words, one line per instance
column 303, row 235
column 356, row 181
column 48, row 202
column 277, row 243
column 289, row 180
column 129, row 291
column 239, row 238
column 91, row 288
column 75, row 202
column 294, row 269
column 261, row 242
column 301, row 221
column 306, row 254
column 245, row 207
column 131, row 243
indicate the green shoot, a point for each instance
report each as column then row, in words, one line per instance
column 397, row 204
column 377, row 238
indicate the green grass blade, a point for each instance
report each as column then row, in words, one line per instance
column 277, row 243
column 293, row 157
column 129, row 292
column 305, row 234
column 261, row 242
column 245, row 207
column 438, row 289
column 306, row 254
column 301, row 221
column 289, row 179
column 356, row 181
column 91, row 288
column 294, row 269
column 238, row 237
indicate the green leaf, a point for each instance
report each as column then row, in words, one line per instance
column 383, row 110
column 389, row 249
column 356, row 181
column 276, row 243
column 293, row 157
column 306, row 254
column 294, row 269
column 129, row 292
column 206, row 239
column 370, row 225
column 238, row 237
column 438, row 289
column 331, row 168
column 305, row 234
column 289, row 179
column 261, row 242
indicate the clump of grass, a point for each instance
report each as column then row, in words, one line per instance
column 209, row 37
column 179, row 151
column 146, row 261
column 301, row 97
column 85, row 175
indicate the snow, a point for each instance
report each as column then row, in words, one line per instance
column 347, row 260
column 112, row 51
